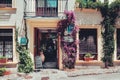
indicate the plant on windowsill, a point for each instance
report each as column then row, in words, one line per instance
column 3, row 59
column 67, row 27
column 88, row 57
column 80, row 5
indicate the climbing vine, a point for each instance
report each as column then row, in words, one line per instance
column 110, row 14
column 25, row 63
column 25, row 27
column 68, row 30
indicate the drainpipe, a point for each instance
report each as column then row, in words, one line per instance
column 25, row 25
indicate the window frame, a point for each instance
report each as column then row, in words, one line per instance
column 10, row 42
column 96, row 58
column 46, row 9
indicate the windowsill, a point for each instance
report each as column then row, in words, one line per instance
column 117, row 61
column 8, row 64
column 8, row 10
column 87, row 61
column 85, row 10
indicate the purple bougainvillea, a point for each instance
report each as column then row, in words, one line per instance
column 67, row 30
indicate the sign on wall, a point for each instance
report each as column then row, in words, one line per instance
column 23, row 41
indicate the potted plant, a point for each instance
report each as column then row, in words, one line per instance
column 87, row 6
column 88, row 57
column 3, row 59
column 2, row 70
column 7, row 72
column 42, row 56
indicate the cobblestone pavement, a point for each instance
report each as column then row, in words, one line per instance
column 76, row 74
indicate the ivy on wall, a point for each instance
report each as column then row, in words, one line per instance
column 110, row 14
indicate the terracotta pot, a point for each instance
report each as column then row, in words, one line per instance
column 7, row 72
column 42, row 56
column 88, row 59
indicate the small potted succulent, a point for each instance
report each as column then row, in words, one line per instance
column 88, row 57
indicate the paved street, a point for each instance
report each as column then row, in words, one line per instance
column 112, row 73
column 113, row 76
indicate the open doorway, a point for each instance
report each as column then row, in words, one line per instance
column 46, row 41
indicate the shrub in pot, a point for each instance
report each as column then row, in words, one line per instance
column 2, row 70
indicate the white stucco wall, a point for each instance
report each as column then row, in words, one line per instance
column 16, row 18
column 19, row 13
column 8, row 22
column 71, row 4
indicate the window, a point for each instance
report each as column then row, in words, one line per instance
column 88, row 43
column 6, row 43
column 5, row 3
column 46, row 8
column 118, row 44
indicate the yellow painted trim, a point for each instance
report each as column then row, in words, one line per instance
column 41, row 24
column 7, row 8
column 7, row 27
column 98, row 27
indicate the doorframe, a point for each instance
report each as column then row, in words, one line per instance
column 43, row 24
column 59, row 52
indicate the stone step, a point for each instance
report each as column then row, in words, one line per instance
column 87, row 67
column 50, row 65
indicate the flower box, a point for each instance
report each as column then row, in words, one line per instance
column 3, row 59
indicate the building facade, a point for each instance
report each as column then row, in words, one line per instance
column 41, row 18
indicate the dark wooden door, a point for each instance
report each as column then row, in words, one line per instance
column 37, row 38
